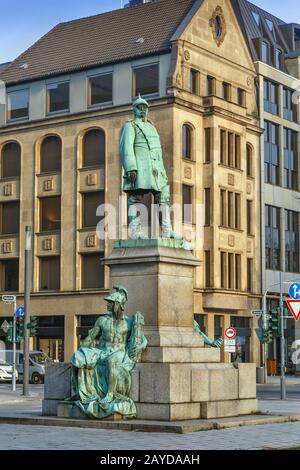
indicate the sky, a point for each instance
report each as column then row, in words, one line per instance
column 22, row 22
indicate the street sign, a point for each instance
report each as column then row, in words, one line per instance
column 257, row 313
column 20, row 312
column 5, row 326
column 8, row 299
column 294, row 306
column 230, row 332
column 294, row 291
column 229, row 345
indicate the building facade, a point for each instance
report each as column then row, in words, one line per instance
column 59, row 139
column 275, row 48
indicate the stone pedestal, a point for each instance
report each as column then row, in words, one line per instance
column 178, row 378
column 57, row 387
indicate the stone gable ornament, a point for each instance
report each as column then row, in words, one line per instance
column 218, row 25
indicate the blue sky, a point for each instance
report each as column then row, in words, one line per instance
column 22, row 22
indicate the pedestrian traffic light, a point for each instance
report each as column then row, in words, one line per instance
column 274, row 322
column 33, row 326
column 20, row 328
column 9, row 333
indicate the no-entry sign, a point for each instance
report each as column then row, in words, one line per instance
column 230, row 332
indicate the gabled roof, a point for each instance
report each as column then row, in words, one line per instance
column 102, row 39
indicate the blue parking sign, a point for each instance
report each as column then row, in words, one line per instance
column 294, row 291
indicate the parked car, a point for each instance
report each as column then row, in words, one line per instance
column 37, row 361
column 6, row 372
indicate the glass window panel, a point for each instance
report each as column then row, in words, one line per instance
column 18, row 104
column 91, row 201
column 51, row 154
column 10, row 280
column 186, row 142
column 10, row 218
column 101, row 89
column 94, row 148
column 146, row 80
column 92, row 271
column 187, row 210
column 50, row 273
column 58, row 97
column 11, row 160
column 50, row 214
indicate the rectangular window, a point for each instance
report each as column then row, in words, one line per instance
column 50, row 214
column 278, row 59
column 210, row 86
column 223, row 208
column 237, row 212
column 290, row 139
column 101, row 89
column 249, row 275
column 207, row 206
column 272, row 237
column 207, row 269
column 18, row 104
column 223, row 147
column 207, row 137
column 195, row 82
column 265, row 52
column 230, row 270
column 226, row 91
column 146, row 80
column 187, row 207
column 230, row 207
column 50, row 273
column 271, row 97
column 237, row 150
column 92, row 271
column 289, row 107
column 291, row 241
column 9, row 277
column 237, row 272
column 90, row 203
column 10, row 218
column 241, row 97
column 249, row 218
column 58, row 96
column 271, row 153
column 223, row 270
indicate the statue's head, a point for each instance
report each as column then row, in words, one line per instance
column 117, row 300
column 140, row 108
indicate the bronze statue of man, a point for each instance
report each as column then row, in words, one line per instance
column 142, row 159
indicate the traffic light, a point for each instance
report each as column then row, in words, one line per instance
column 9, row 333
column 33, row 326
column 274, row 323
column 19, row 328
column 266, row 335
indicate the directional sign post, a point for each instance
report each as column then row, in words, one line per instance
column 294, row 307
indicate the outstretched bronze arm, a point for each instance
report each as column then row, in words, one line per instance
column 214, row 343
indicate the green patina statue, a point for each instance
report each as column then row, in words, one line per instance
column 142, row 160
column 214, row 343
column 101, row 378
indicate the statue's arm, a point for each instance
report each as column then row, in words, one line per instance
column 217, row 343
column 93, row 334
column 127, row 153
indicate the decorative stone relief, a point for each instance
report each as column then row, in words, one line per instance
column 91, row 179
column 249, row 247
column 48, row 185
column 188, row 173
column 90, row 241
column 218, row 26
column 7, row 247
column 47, row 244
column 249, row 188
column 231, row 179
column 187, row 55
column 8, row 189
column 231, row 240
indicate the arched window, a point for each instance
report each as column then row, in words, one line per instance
column 11, row 160
column 93, row 148
column 249, row 162
column 51, row 154
column 186, row 142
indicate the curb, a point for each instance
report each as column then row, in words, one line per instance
column 150, row 426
